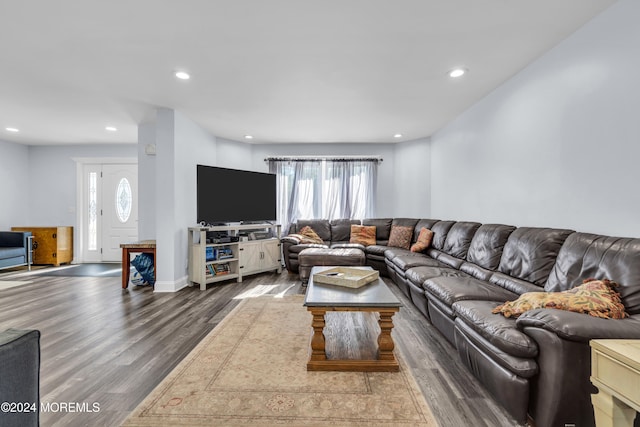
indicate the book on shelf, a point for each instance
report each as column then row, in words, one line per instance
column 215, row 254
column 217, row 269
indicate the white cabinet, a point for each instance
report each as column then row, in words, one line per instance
column 259, row 256
column 211, row 262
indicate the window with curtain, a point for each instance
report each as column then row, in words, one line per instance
column 324, row 188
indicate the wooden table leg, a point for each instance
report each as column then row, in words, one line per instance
column 385, row 341
column 317, row 340
column 126, row 269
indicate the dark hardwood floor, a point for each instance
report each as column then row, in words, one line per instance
column 111, row 347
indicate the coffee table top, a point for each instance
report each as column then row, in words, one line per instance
column 374, row 294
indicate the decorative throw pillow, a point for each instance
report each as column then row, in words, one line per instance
column 311, row 235
column 302, row 238
column 424, row 240
column 400, row 237
column 597, row 298
column 363, row 234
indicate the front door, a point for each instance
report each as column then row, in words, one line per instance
column 111, row 195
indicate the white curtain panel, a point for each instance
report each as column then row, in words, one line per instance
column 324, row 189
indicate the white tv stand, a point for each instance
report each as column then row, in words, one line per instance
column 234, row 259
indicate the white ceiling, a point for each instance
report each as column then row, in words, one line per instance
column 280, row 70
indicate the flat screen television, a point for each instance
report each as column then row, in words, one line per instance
column 232, row 195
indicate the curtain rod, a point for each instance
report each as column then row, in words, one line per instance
column 317, row 158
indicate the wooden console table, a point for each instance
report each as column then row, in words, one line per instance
column 143, row 246
column 615, row 370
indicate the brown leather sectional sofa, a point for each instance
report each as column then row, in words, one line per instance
column 537, row 365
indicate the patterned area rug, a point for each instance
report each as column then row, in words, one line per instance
column 251, row 370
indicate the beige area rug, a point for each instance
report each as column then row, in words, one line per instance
column 251, row 370
column 7, row 284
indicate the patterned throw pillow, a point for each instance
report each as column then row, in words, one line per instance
column 363, row 234
column 424, row 240
column 400, row 237
column 310, row 235
column 597, row 298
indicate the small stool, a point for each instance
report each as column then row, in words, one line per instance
column 312, row 257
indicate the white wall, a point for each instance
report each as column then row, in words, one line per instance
column 557, row 145
column 386, row 177
column 233, row 154
column 180, row 145
column 14, row 185
column 52, row 179
column 412, row 179
column 146, row 182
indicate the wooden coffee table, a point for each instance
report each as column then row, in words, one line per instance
column 373, row 297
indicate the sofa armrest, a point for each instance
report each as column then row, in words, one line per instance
column 579, row 326
column 20, row 373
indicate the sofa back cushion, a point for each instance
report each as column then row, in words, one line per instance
column 383, row 228
column 341, row 229
column 322, row 227
column 530, row 253
column 487, row 245
column 426, row 223
column 459, row 238
column 405, row 222
column 585, row 256
column 440, row 230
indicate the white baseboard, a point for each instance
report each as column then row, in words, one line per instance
column 170, row 286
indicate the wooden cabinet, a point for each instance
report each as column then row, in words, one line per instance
column 260, row 255
column 51, row 245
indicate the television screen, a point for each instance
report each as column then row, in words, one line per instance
column 232, row 195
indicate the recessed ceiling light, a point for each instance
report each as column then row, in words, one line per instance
column 12, row 129
column 182, row 75
column 111, row 129
column 397, row 135
column 248, row 137
column 457, row 72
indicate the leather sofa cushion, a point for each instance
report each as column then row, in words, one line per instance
column 383, row 228
column 514, row 285
column 434, row 253
column 449, row 260
column 500, row 331
column 476, row 271
column 375, row 252
column 417, row 275
column 459, row 238
column 322, row 227
column 341, row 229
column 530, row 253
column 404, row 222
column 525, row 367
column 585, row 256
column 452, row 289
column 294, row 250
column 343, row 245
column 440, row 230
column 404, row 262
column 487, row 245
column 390, row 253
